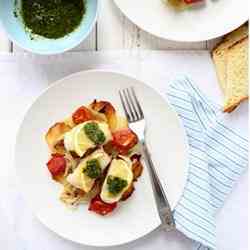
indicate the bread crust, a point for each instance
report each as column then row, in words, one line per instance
column 232, row 107
column 229, row 69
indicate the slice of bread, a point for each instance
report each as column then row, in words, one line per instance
column 219, row 53
column 236, row 75
column 231, row 62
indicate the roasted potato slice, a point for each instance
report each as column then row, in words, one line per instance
column 137, row 167
column 108, row 110
column 71, row 196
column 121, row 123
column 128, row 192
column 98, row 116
column 69, row 122
column 60, row 178
column 54, row 137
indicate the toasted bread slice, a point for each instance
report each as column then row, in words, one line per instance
column 219, row 53
column 236, row 75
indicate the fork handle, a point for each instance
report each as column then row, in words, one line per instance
column 162, row 203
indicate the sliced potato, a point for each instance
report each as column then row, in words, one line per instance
column 71, row 196
column 98, row 116
column 55, row 135
column 121, row 123
column 108, row 110
column 69, row 122
column 137, row 167
column 128, row 192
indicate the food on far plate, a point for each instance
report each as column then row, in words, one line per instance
column 231, row 62
column 94, row 157
column 180, row 4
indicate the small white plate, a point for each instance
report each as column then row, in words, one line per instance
column 138, row 215
column 215, row 18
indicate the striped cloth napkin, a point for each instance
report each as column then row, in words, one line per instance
column 218, row 156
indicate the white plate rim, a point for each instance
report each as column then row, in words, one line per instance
column 172, row 38
column 58, row 82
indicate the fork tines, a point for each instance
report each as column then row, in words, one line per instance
column 131, row 105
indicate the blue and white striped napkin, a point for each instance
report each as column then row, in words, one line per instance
column 218, row 156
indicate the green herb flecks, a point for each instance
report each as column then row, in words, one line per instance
column 93, row 169
column 15, row 11
column 52, row 18
column 94, row 133
column 116, row 184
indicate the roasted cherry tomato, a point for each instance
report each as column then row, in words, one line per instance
column 124, row 140
column 56, row 164
column 98, row 206
column 81, row 115
column 192, row 1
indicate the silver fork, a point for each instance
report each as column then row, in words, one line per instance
column 137, row 123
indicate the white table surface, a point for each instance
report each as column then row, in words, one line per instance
column 24, row 76
column 122, row 34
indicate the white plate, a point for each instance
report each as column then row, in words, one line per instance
column 216, row 18
column 134, row 218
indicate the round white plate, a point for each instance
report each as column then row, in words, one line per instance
column 215, row 18
column 138, row 215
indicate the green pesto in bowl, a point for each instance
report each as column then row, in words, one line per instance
column 52, row 19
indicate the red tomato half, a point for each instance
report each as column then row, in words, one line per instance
column 192, row 1
column 56, row 164
column 124, row 140
column 98, row 206
column 81, row 115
